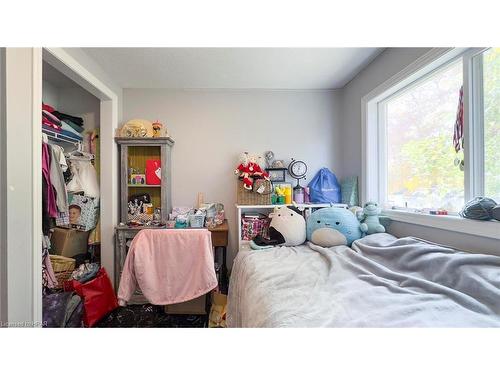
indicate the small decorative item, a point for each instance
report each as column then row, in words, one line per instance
column 148, row 208
column 157, row 126
column 277, row 174
column 278, row 164
column 153, row 172
column 306, row 195
column 269, row 156
column 137, row 128
column 157, row 214
column 137, row 179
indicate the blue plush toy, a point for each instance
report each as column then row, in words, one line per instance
column 332, row 226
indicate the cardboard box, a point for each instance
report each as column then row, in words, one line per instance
column 69, row 242
column 195, row 306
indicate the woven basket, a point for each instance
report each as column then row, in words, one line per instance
column 251, row 198
column 63, row 268
column 61, row 264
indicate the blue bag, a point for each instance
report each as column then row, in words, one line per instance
column 324, row 187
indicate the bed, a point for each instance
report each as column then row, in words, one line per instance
column 381, row 281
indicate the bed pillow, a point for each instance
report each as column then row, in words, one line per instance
column 333, row 226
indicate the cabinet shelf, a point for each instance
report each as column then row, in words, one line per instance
column 142, row 186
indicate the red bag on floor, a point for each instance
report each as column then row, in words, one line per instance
column 153, row 172
column 98, row 297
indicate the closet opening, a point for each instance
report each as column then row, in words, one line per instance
column 72, row 199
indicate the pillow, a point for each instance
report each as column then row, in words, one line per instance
column 333, row 226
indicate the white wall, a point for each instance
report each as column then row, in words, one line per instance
column 3, row 194
column 211, row 128
column 387, row 64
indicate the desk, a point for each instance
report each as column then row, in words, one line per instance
column 125, row 233
column 220, row 236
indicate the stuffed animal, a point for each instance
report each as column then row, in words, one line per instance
column 249, row 169
column 369, row 218
column 332, row 226
column 287, row 228
column 243, row 170
column 254, row 164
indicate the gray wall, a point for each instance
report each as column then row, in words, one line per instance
column 211, row 128
column 50, row 94
column 88, row 63
column 387, row 64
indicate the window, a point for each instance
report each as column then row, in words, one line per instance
column 419, row 122
column 410, row 157
column 491, row 119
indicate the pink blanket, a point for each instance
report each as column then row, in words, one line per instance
column 169, row 266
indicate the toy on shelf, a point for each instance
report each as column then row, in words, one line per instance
column 157, row 126
column 280, row 195
column 287, row 228
column 248, row 169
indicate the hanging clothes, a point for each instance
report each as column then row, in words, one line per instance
column 51, row 207
column 84, row 178
column 57, row 180
column 49, row 280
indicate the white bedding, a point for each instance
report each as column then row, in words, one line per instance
column 381, row 282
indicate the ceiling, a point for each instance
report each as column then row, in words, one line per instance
column 232, row 68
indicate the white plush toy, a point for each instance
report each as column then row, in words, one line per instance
column 287, row 228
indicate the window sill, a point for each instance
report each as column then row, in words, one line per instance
column 490, row 229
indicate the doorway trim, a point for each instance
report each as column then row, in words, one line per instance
column 29, row 308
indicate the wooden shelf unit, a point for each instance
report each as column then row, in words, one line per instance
column 134, row 152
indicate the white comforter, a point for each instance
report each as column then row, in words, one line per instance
column 381, row 282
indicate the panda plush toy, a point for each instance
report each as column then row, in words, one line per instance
column 333, row 226
column 287, row 228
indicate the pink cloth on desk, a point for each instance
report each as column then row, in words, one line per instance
column 169, row 266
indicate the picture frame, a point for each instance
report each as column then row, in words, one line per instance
column 276, row 174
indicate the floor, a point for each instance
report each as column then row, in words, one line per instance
column 150, row 316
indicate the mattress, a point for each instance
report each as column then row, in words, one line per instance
column 382, row 281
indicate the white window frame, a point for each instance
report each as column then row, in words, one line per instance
column 373, row 185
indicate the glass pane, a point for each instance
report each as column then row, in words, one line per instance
column 491, row 87
column 421, row 170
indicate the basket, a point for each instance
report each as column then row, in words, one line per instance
column 197, row 220
column 61, row 264
column 63, row 268
column 247, row 197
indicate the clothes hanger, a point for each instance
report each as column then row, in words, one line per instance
column 78, row 154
